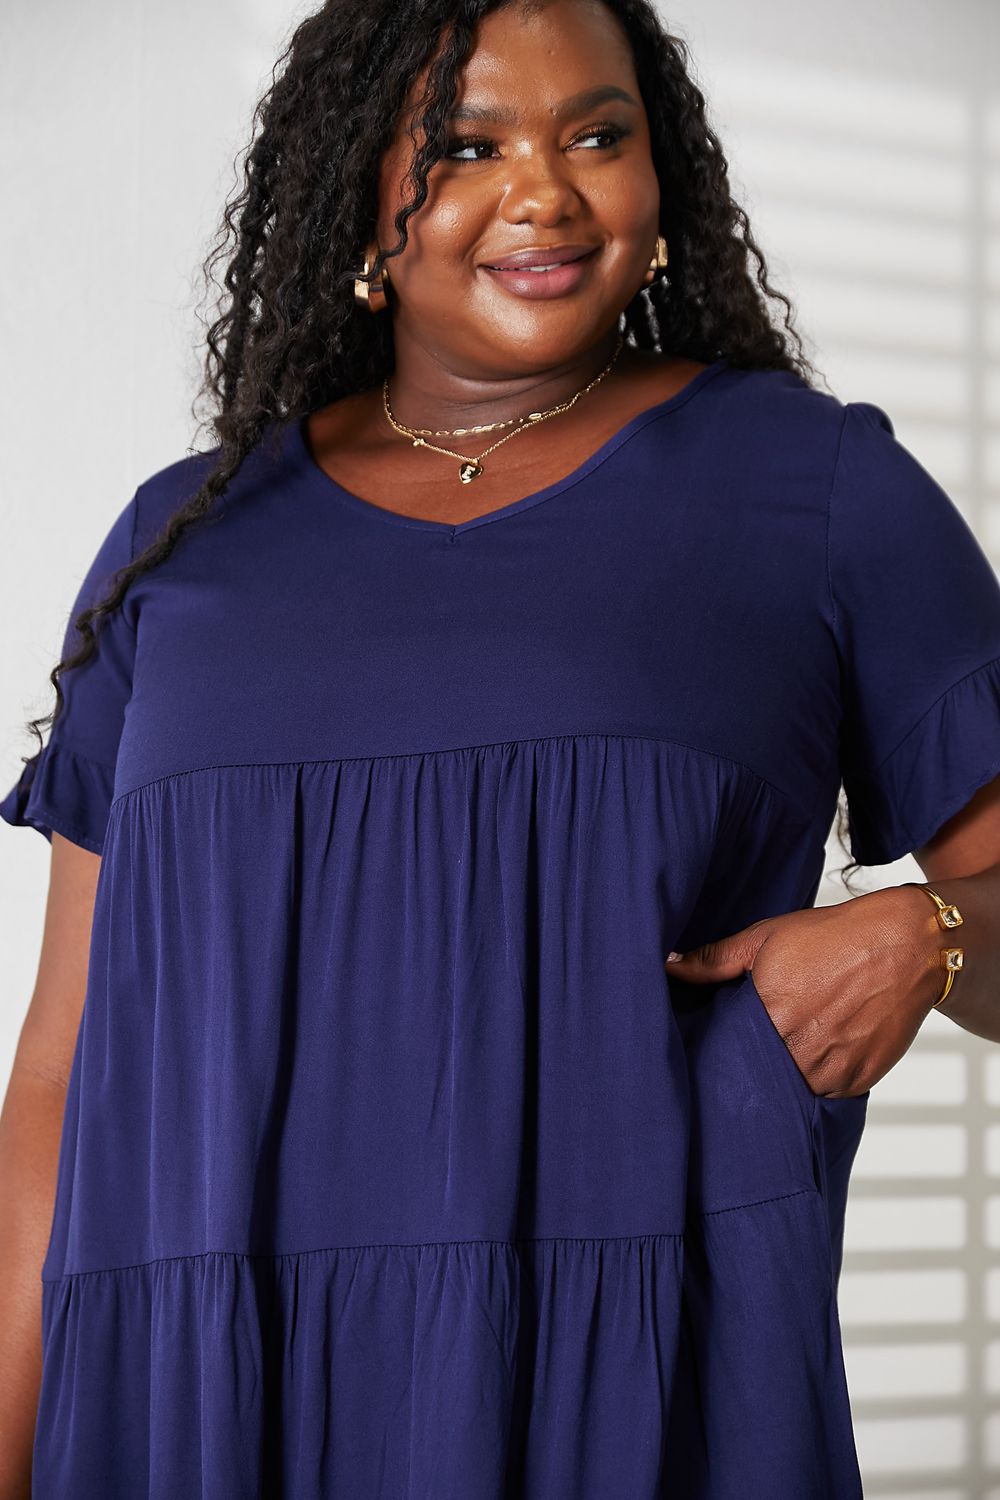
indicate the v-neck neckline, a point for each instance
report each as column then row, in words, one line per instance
column 325, row 482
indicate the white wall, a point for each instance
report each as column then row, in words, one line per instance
column 865, row 144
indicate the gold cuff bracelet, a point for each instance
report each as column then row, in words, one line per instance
column 948, row 915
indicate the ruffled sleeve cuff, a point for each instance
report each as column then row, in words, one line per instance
column 64, row 792
column 948, row 755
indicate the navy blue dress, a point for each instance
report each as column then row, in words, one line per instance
column 395, row 1166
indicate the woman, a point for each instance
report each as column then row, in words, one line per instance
column 537, row 615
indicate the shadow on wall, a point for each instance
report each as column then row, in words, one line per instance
column 876, row 198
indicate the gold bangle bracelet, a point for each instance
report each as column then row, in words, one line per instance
column 947, row 915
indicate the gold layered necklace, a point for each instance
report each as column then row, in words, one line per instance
column 470, row 468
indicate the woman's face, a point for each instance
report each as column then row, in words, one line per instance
column 549, row 148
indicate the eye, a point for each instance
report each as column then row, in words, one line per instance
column 470, row 144
column 608, row 132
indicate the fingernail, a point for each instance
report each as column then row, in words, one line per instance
column 673, row 957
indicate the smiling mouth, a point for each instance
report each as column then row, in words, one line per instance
column 550, row 266
column 544, row 280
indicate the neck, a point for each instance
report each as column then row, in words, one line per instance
column 426, row 390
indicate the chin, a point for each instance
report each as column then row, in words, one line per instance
column 543, row 336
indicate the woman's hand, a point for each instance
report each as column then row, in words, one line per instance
column 846, row 986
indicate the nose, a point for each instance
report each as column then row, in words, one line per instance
column 538, row 187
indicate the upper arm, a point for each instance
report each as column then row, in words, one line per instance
column 68, row 786
column 969, row 842
column 49, row 1031
column 916, row 617
column 65, row 792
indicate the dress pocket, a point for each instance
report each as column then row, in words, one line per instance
column 752, row 1112
column 773, row 1036
column 836, row 1126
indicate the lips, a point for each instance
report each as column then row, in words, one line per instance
column 539, row 258
column 541, row 274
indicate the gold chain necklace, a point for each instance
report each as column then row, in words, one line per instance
column 471, row 468
column 463, row 431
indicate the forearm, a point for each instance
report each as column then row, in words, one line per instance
column 974, row 999
column 30, row 1125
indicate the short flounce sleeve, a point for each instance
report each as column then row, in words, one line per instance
column 69, row 787
column 916, row 610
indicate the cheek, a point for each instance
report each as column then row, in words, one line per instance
column 627, row 204
column 449, row 228
column 442, row 234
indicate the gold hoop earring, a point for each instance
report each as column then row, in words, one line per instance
column 658, row 262
column 367, row 293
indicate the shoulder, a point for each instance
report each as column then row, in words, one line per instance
column 167, row 489
column 773, row 423
column 781, row 399
column 768, row 437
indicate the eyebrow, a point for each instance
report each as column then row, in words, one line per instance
column 587, row 99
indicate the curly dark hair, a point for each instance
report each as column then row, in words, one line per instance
column 289, row 336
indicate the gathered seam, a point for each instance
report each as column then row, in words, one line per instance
column 552, row 1239
column 447, row 750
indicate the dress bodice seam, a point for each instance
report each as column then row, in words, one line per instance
column 450, row 750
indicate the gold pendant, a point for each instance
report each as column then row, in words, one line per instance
column 468, row 472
